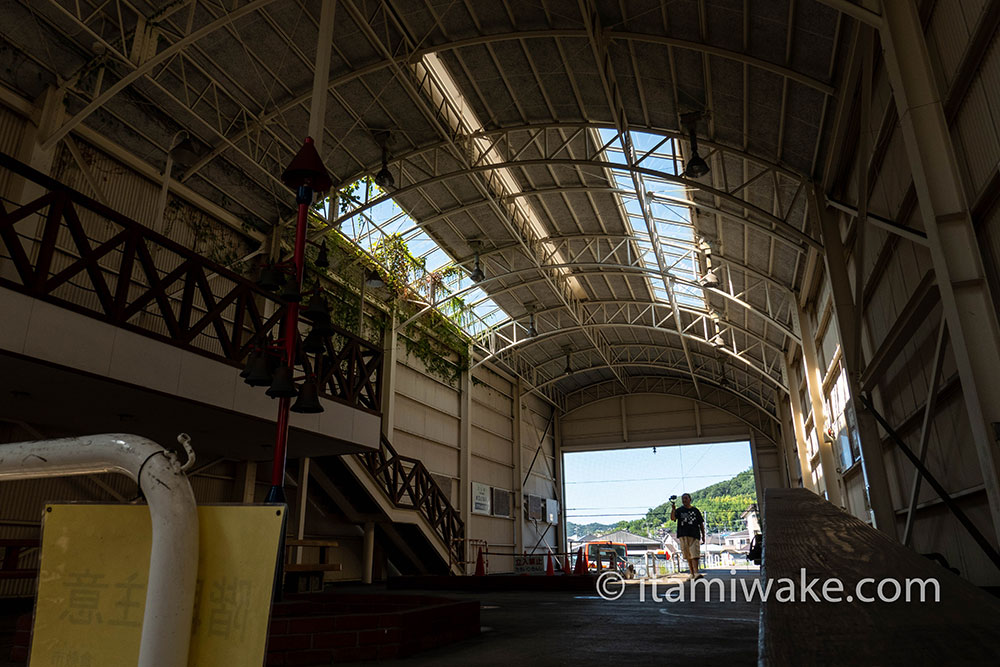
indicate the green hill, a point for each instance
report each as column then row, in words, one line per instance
column 720, row 503
column 588, row 528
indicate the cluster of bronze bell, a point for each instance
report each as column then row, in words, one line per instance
column 281, row 277
column 264, row 368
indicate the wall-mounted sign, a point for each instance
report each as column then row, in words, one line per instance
column 529, row 564
column 480, row 498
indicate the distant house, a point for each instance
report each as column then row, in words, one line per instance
column 636, row 545
column 738, row 541
column 752, row 520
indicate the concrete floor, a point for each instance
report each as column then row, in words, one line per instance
column 582, row 629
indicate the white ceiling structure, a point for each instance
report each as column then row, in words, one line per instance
column 545, row 133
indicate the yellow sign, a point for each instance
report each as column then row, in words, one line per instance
column 93, row 574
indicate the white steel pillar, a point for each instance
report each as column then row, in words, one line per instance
column 389, row 342
column 465, row 448
column 559, row 479
column 321, row 74
column 303, row 503
column 248, row 481
column 518, row 488
column 798, row 424
column 368, row 555
column 788, row 443
column 848, row 327
column 958, row 265
column 814, row 380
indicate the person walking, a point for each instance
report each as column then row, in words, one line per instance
column 690, row 527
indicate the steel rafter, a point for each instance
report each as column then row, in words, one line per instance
column 446, row 115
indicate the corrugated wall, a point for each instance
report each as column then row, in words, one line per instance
column 12, row 128
column 426, row 424
column 492, row 460
column 894, row 267
column 542, row 476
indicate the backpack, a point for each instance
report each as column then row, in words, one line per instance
column 756, row 549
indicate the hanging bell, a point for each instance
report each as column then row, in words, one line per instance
column 290, row 291
column 314, row 342
column 260, row 374
column 317, row 307
column 323, row 326
column 270, row 278
column 308, row 400
column 282, row 386
column 248, row 366
column 323, row 259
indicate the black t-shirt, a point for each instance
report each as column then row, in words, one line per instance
column 689, row 522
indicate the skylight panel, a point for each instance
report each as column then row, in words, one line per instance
column 673, row 232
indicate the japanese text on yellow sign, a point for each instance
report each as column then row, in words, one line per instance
column 93, row 574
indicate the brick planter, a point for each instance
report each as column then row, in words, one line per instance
column 321, row 628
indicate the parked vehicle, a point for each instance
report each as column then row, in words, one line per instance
column 606, row 556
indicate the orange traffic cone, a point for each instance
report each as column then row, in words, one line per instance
column 549, row 570
column 581, row 563
column 480, row 564
column 566, row 569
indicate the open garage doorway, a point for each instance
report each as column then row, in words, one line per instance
column 618, row 506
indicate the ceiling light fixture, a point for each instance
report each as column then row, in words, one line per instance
column 374, row 280
column 477, row 274
column 696, row 166
column 532, row 331
column 569, row 368
column 384, row 178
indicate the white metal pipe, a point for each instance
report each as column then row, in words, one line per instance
column 173, row 559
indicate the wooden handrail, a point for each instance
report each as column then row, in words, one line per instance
column 132, row 270
column 406, row 477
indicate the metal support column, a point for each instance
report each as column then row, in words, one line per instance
column 558, row 481
column 518, row 488
column 814, row 379
column 302, row 504
column 789, row 445
column 248, row 481
column 958, row 265
column 848, row 323
column 930, row 406
column 321, row 74
column 798, row 423
column 368, row 557
column 389, row 342
column 465, row 449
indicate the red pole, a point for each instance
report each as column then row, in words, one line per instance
column 290, row 329
column 305, row 175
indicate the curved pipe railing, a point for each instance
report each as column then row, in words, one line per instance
column 173, row 559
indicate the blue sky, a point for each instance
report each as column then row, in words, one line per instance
column 621, row 484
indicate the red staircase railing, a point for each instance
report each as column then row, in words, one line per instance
column 409, row 485
column 75, row 252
